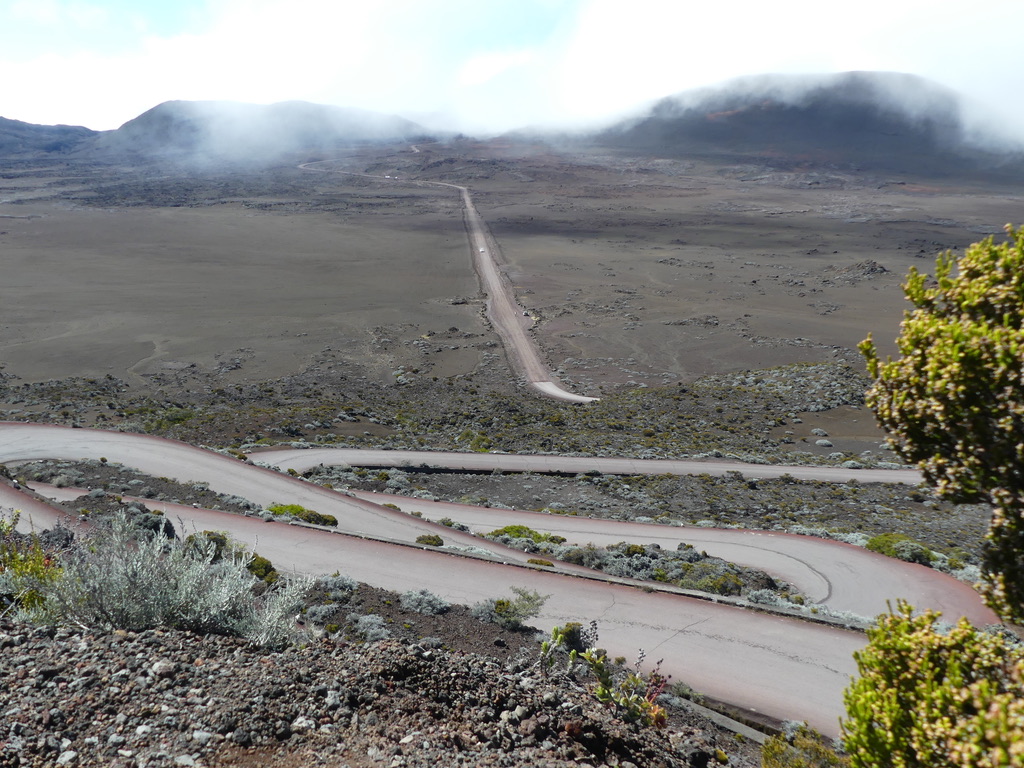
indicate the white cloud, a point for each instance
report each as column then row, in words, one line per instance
column 493, row 65
column 484, row 67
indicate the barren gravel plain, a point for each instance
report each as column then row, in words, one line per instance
column 638, row 271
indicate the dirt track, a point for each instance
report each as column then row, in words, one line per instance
column 505, row 314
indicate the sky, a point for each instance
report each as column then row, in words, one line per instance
column 482, row 66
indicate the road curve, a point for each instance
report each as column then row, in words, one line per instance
column 773, row 664
column 777, row 666
column 510, row 321
column 842, row 576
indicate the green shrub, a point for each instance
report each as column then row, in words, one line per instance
column 805, row 748
column 305, row 515
column 226, row 547
column 262, row 569
column 430, row 540
column 24, row 564
column 525, row 532
column 510, row 613
column 928, row 699
column 540, row 562
column 901, row 547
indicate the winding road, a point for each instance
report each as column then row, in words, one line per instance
column 774, row 664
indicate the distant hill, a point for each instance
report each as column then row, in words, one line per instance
column 241, row 132
column 870, row 120
column 18, row 138
column 213, row 131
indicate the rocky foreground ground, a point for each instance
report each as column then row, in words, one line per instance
column 167, row 698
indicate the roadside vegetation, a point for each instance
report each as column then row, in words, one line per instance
column 121, row 576
column 953, row 404
column 684, row 567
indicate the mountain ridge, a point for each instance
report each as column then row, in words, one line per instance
column 870, row 120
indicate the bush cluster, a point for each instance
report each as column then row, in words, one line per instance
column 424, row 601
column 299, row 512
column 525, row 532
column 932, row 699
column 684, row 567
column 510, row 612
column 114, row 580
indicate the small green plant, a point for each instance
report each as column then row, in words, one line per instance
column 632, row 695
column 23, row 563
column 801, row 748
column 430, row 540
column 540, row 562
column 305, row 515
column 629, row 692
column 510, row 613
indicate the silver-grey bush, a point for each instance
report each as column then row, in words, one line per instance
column 116, row 581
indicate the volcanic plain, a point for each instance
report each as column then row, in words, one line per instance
column 713, row 303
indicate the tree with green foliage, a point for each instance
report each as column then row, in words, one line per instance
column 953, row 404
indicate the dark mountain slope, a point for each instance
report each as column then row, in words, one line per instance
column 208, row 131
column 871, row 120
column 19, row 138
column 249, row 132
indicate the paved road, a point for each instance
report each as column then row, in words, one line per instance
column 773, row 664
column 302, row 459
column 510, row 321
column 842, row 576
column 778, row 666
column 36, row 514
